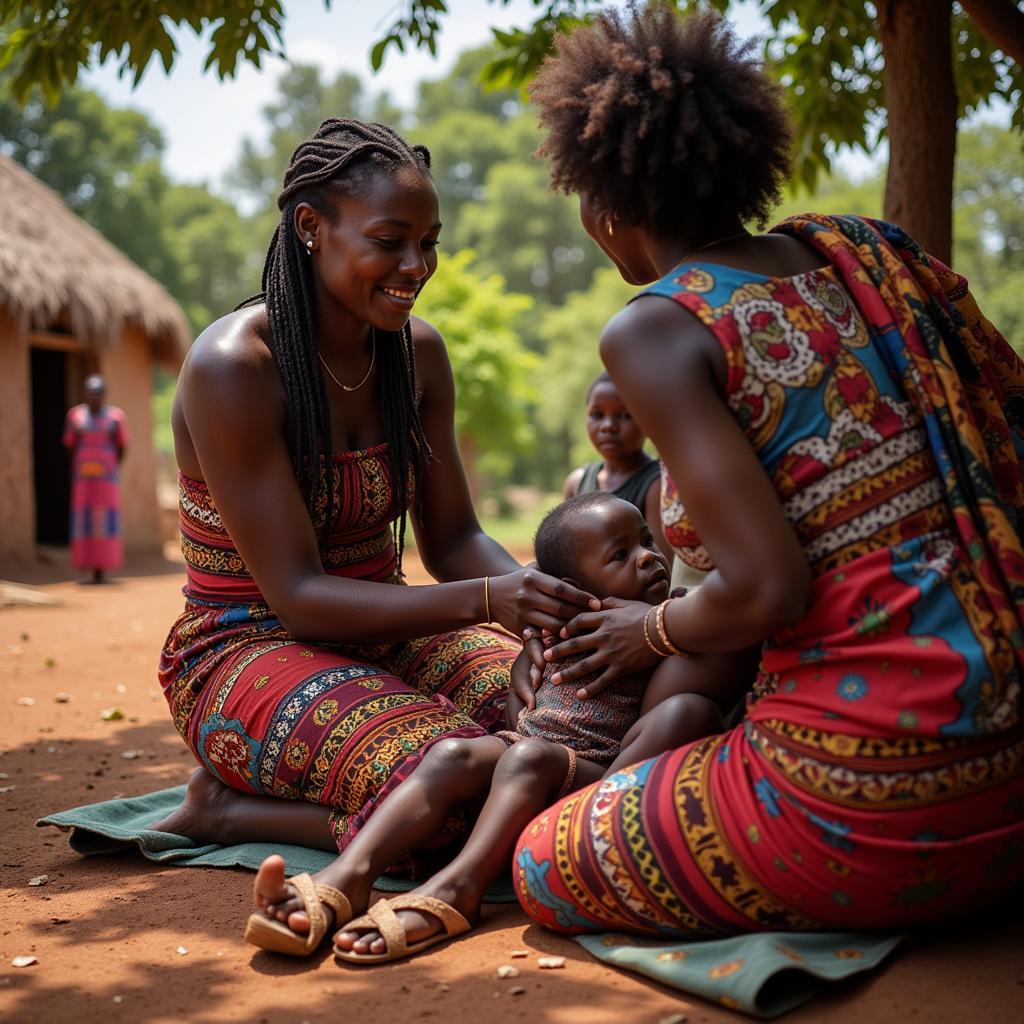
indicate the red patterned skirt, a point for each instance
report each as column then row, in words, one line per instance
column 339, row 727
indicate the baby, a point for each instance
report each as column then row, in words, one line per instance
column 560, row 744
column 603, row 545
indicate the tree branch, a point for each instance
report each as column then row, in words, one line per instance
column 1002, row 21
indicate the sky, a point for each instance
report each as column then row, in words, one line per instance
column 205, row 120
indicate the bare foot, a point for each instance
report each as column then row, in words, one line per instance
column 203, row 813
column 279, row 900
column 466, row 900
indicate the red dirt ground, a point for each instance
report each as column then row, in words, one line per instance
column 106, row 930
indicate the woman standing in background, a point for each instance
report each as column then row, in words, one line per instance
column 96, row 435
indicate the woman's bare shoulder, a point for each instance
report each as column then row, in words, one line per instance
column 236, row 343
column 229, row 384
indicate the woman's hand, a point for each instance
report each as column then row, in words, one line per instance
column 614, row 638
column 530, row 598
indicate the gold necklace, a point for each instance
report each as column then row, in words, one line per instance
column 366, row 376
column 707, row 245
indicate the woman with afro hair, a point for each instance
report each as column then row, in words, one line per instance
column 844, row 431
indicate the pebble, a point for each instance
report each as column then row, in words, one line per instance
column 26, row 702
column 507, row 971
column 518, row 953
column 23, row 961
column 673, row 1018
column 130, row 755
column 6, row 789
column 550, row 963
column 62, row 698
column 181, row 951
column 39, row 880
column 118, row 999
column 516, row 990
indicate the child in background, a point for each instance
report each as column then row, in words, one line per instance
column 624, row 469
column 560, row 743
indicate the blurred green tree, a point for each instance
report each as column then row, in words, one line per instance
column 989, row 225
column 569, row 335
column 494, row 373
column 303, row 101
column 521, row 229
column 905, row 69
column 213, row 247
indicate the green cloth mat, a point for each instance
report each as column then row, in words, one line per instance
column 763, row 974
column 115, row 825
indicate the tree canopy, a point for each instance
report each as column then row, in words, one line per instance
column 521, row 294
column 856, row 73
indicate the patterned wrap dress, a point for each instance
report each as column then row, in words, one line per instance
column 333, row 724
column 877, row 780
column 96, row 441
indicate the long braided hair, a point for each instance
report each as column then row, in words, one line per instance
column 332, row 163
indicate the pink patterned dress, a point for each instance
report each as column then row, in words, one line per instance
column 96, row 442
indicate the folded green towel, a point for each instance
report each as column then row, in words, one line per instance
column 764, row 974
column 116, row 824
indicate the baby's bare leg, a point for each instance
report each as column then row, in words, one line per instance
column 676, row 721
column 453, row 772
column 525, row 781
column 683, row 702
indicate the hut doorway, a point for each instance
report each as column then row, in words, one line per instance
column 51, row 468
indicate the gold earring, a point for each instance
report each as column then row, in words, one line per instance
column 610, row 227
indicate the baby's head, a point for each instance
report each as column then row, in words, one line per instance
column 610, row 427
column 603, row 545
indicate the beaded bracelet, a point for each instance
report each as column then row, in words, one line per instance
column 663, row 633
column 647, row 637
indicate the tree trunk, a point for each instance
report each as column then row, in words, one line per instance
column 920, row 96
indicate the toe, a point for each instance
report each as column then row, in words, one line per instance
column 298, row 921
column 269, row 888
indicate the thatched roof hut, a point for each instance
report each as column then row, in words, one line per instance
column 72, row 304
column 54, row 266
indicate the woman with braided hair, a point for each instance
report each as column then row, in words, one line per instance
column 309, row 425
column 845, row 432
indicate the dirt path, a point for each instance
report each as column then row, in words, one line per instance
column 106, row 931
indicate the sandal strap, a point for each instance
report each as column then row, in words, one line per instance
column 385, row 920
column 452, row 921
column 306, row 888
column 337, row 901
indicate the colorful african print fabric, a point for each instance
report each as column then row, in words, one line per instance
column 336, row 725
column 878, row 778
column 96, row 441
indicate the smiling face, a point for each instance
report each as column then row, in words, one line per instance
column 372, row 257
column 611, row 429
column 618, row 556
